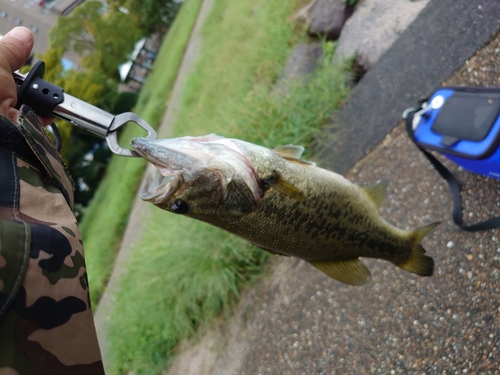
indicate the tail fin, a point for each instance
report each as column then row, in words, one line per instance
column 419, row 263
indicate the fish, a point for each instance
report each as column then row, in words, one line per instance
column 280, row 203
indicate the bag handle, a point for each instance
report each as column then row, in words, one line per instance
column 451, row 180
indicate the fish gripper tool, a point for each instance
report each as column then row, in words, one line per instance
column 49, row 100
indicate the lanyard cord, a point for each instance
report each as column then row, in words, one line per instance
column 452, row 182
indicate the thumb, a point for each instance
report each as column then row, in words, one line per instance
column 15, row 49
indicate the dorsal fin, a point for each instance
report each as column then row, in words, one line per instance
column 290, row 151
column 376, row 192
column 293, row 153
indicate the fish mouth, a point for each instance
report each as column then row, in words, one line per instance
column 161, row 182
column 160, row 185
column 179, row 160
column 143, row 147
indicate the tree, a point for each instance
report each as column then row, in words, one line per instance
column 103, row 37
column 151, row 15
column 125, row 102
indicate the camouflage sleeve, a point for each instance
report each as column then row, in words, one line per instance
column 46, row 323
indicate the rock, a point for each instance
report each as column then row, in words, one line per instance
column 325, row 17
column 303, row 61
column 374, row 26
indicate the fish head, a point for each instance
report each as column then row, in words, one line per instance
column 207, row 178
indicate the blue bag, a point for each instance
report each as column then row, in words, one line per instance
column 463, row 124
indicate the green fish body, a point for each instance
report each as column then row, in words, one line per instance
column 280, row 203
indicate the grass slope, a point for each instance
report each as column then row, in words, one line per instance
column 106, row 217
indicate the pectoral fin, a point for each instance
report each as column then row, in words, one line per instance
column 278, row 183
column 351, row 271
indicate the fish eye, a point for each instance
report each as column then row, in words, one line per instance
column 179, row 207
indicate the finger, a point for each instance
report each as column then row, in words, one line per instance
column 45, row 121
column 15, row 49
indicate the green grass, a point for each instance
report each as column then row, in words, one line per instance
column 176, row 285
column 106, row 217
column 269, row 118
column 183, row 272
column 245, row 45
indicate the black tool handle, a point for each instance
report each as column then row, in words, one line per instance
column 40, row 95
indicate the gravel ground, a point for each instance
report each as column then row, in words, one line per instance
column 299, row 321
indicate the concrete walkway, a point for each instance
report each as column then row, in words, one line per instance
column 436, row 44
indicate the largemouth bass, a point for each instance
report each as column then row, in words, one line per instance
column 279, row 202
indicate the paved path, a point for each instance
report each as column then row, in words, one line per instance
column 141, row 211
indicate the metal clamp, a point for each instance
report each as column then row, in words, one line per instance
column 49, row 100
column 119, row 121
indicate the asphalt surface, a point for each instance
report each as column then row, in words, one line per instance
column 299, row 321
column 444, row 35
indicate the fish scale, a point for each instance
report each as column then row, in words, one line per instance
column 280, row 203
column 317, row 231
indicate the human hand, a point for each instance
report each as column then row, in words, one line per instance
column 15, row 49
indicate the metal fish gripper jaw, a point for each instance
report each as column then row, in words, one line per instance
column 49, row 100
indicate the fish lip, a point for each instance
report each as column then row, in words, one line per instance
column 138, row 143
column 163, row 156
column 143, row 148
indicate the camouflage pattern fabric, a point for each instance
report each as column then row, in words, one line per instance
column 46, row 323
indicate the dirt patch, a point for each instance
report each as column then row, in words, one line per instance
column 221, row 347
